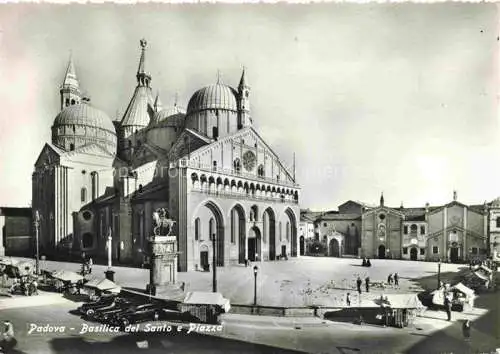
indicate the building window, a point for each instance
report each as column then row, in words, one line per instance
column 237, row 165
column 405, row 250
column 435, row 250
column 260, row 171
column 87, row 215
column 422, row 229
column 422, row 251
column 324, row 224
column 211, row 228
column 73, row 102
column 71, row 147
column 474, row 250
column 405, row 229
column 413, row 229
column 281, row 231
column 498, row 221
column 83, row 194
column 140, row 188
column 67, row 102
column 197, row 229
column 214, row 166
column 288, row 231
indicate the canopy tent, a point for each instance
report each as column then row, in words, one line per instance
column 400, row 301
column 206, row 298
column 103, row 285
column 9, row 261
column 66, row 275
column 464, row 290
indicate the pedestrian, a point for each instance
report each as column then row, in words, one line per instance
column 8, row 340
column 358, row 283
column 447, row 305
column 364, row 262
column 367, row 284
column 396, row 279
column 348, row 299
column 389, row 279
column 466, row 330
column 91, row 263
column 368, row 264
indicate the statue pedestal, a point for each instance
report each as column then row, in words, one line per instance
column 163, row 271
column 110, row 275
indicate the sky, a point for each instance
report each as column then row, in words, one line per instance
column 400, row 99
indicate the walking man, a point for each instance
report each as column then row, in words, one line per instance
column 91, row 263
column 447, row 305
column 348, row 299
column 396, row 279
column 389, row 279
column 466, row 330
column 367, row 284
column 358, row 283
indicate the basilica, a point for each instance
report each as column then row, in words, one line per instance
column 206, row 165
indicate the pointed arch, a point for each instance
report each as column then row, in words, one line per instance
column 238, row 230
column 269, row 231
column 293, row 230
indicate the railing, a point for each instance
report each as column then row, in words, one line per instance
column 233, row 173
column 249, row 196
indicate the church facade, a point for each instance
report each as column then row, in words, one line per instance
column 453, row 232
column 207, row 165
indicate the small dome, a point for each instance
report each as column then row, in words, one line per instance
column 168, row 114
column 84, row 114
column 217, row 96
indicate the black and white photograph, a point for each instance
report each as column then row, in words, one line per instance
column 245, row 177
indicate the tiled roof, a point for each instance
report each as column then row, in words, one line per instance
column 339, row 217
column 139, row 108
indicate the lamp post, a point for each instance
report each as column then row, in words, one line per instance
column 109, row 244
column 37, row 227
column 439, row 273
column 255, row 270
column 214, row 265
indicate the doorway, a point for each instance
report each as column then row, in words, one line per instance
column 204, row 260
column 334, row 248
column 381, row 252
column 413, row 253
column 302, row 245
column 454, row 254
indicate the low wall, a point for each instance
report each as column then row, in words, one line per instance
column 273, row 311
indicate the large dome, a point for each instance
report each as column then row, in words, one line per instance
column 217, row 96
column 80, row 125
column 84, row 115
column 169, row 115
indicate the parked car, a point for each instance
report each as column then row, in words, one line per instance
column 141, row 313
column 106, row 314
column 118, row 303
column 90, row 307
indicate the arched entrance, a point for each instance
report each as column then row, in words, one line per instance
column 238, row 227
column 219, row 233
column 269, row 223
column 413, row 254
column 334, row 248
column 293, row 232
column 254, row 244
column 302, row 245
column 381, row 251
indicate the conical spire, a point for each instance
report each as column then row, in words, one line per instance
column 70, row 78
column 382, row 199
column 243, row 80
column 143, row 78
column 219, row 77
column 158, row 106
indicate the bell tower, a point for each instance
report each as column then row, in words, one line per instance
column 244, row 119
column 70, row 88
